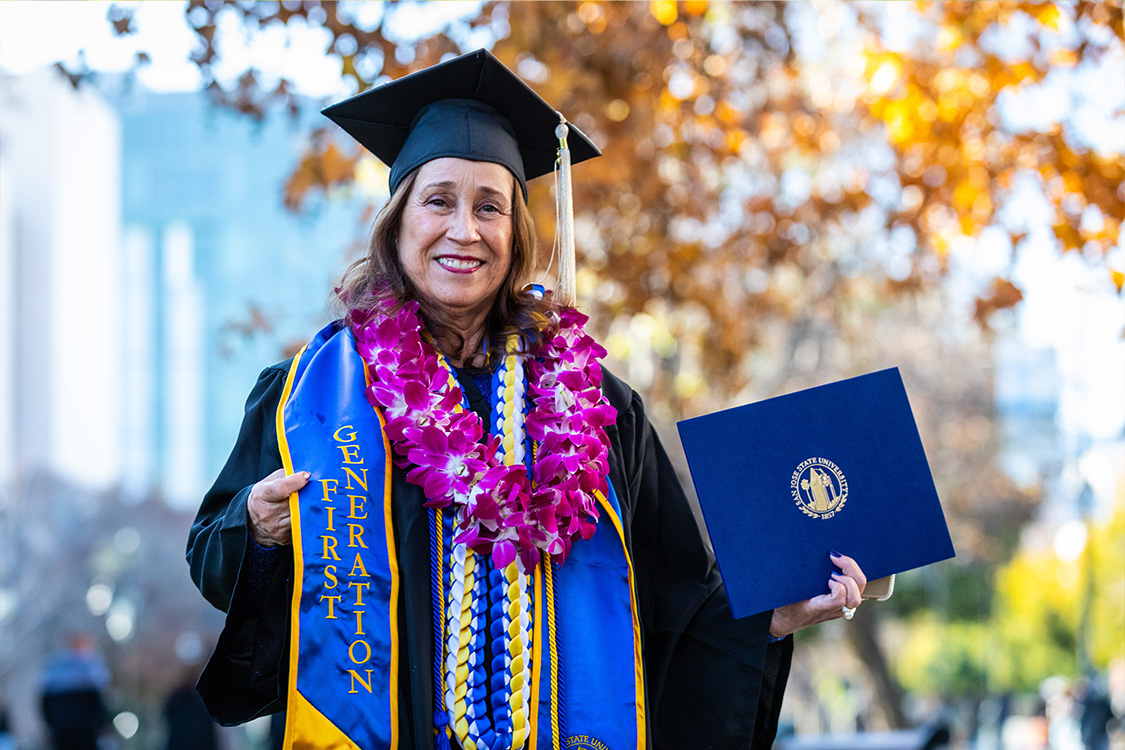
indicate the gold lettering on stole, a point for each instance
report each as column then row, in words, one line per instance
column 366, row 683
column 329, row 548
column 349, row 475
column 350, row 437
column 351, row 454
column 331, row 601
column 358, row 565
column 355, row 534
column 357, row 511
column 353, row 480
column 359, row 588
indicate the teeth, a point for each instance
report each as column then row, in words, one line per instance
column 460, row 264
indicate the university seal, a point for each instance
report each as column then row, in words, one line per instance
column 819, row 488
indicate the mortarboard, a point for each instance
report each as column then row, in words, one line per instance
column 470, row 107
column 838, row 467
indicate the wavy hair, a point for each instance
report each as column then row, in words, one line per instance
column 379, row 277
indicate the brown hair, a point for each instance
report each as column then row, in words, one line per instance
column 379, row 276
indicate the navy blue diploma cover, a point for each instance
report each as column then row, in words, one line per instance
column 836, row 467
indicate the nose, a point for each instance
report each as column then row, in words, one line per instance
column 463, row 227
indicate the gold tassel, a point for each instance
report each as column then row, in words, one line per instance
column 565, row 292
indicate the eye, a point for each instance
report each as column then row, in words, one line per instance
column 436, row 201
column 492, row 208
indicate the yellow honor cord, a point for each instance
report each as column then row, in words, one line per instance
column 461, row 675
column 517, row 635
column 553, row 647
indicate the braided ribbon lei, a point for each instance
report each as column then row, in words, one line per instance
column 504, row 518
column 488, row 703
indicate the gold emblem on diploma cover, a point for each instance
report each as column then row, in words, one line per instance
column 819, row 488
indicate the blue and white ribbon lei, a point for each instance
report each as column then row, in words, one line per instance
column 489, row 704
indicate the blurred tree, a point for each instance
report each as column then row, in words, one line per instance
column 1033, row 630
column 750, row 181
column 947, row 110
column 1040, row 602
column 109, row 565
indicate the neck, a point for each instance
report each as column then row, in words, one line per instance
column 471, row 331
column 471, row 354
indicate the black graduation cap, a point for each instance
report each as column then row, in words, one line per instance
column 471, row 107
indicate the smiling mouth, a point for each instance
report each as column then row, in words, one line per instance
column 459, row 264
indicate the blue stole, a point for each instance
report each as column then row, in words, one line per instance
column 344, row 641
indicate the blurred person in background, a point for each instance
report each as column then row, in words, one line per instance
column 7, row 739
column 73, row 684
column 189, row 725
column 277, row 731
column 479, row 384
column 1095, row 712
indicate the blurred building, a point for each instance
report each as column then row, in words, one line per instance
column 60, row 302
column 148, row 271
column 1061, row 412
column 1060, row 401
column 232, row 277
column 151, row 271
column 1026, row 391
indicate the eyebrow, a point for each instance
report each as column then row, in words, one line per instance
column 447, row 184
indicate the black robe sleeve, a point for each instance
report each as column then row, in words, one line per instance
column 246, row 675
column 712, row 681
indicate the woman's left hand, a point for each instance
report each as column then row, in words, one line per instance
column 845, row 589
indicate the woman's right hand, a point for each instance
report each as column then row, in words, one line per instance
column 268, row 507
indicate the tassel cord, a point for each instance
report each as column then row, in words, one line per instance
column 565, row 287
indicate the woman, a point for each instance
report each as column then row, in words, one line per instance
column 546, row 588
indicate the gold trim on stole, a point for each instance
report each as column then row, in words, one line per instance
column 638, row 664
column 317, row 731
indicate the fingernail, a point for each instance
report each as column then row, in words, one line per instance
column 836, row 575
column 305, row 474
column 834, row 553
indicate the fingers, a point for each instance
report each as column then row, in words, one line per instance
column 837, row 600
column 852, row 596
column 850, row 568
column 278, row 486
column 267, row 507
column 293, row 482
column 851, row 578
column 820, row 608
column 845, row 589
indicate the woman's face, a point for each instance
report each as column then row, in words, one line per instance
column 455, row 240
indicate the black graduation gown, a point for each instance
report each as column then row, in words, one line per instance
column 711, row 681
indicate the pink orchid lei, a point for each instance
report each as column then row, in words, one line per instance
column 502, row 512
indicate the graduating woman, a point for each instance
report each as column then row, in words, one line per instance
column 443, row 523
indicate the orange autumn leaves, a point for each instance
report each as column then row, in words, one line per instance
column 940, row 111
column 741, row 192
